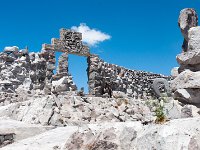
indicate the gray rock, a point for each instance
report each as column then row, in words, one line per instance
column 191, row 96
column 188, row 18
column 20, row 129
column 194, row 143
column 126, row 137
column 186, row 112
column 160, row 85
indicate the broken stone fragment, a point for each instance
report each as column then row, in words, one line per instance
column 9, row 59
column 191, row 96
column 174, row 72
column 24, row 51
column 50, row 66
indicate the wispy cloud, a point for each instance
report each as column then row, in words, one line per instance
column 91, row 36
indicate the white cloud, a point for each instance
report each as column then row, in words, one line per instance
column 91, row 36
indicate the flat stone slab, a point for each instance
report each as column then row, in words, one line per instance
column 46, row 141
column 20, row 129
column 175, row 134
column 189, row 58
column 186, row 79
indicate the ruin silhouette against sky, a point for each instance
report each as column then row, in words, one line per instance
column 144, row 34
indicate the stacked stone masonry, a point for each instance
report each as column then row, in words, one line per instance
column 21, row 71
column 69, row 42
column 103, row 77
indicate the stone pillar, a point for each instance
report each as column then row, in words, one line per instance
column 63, row 64
column 188, row 18
column 49, row 56
column 94, row 77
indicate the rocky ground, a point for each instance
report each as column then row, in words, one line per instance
column 173, row 135
column 73, row 122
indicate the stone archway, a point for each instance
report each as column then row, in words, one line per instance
column 70, row 42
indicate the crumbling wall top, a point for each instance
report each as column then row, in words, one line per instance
column 69, row 42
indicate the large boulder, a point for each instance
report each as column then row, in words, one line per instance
column 185, row 80
column 50, row 140
column 191, row 96
column 20, row 129
column 191, row 57
column 188, row 18
column 177, row 134
column 105, row 137
column 194, row 38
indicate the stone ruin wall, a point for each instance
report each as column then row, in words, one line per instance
column 34, row 71
column 24, row 72
column 21, row 71
column 102, row 75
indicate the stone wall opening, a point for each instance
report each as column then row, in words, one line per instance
column 57, row 55
column 78, row 69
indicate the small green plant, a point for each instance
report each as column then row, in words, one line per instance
column 159, row 113
column 157, row 106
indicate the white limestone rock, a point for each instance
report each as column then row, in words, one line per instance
column 189, row 58
column 105, row 136
column 173, row 135
column 172, row 109
column 119, row 94
column 177, row 134
column 20, row 129
column 174, row 72
column 194, row 38
column 186, row 79
column 11, row 49
column 192, row 56
column 50, row 140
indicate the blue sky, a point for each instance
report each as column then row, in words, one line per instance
column 144, row 34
